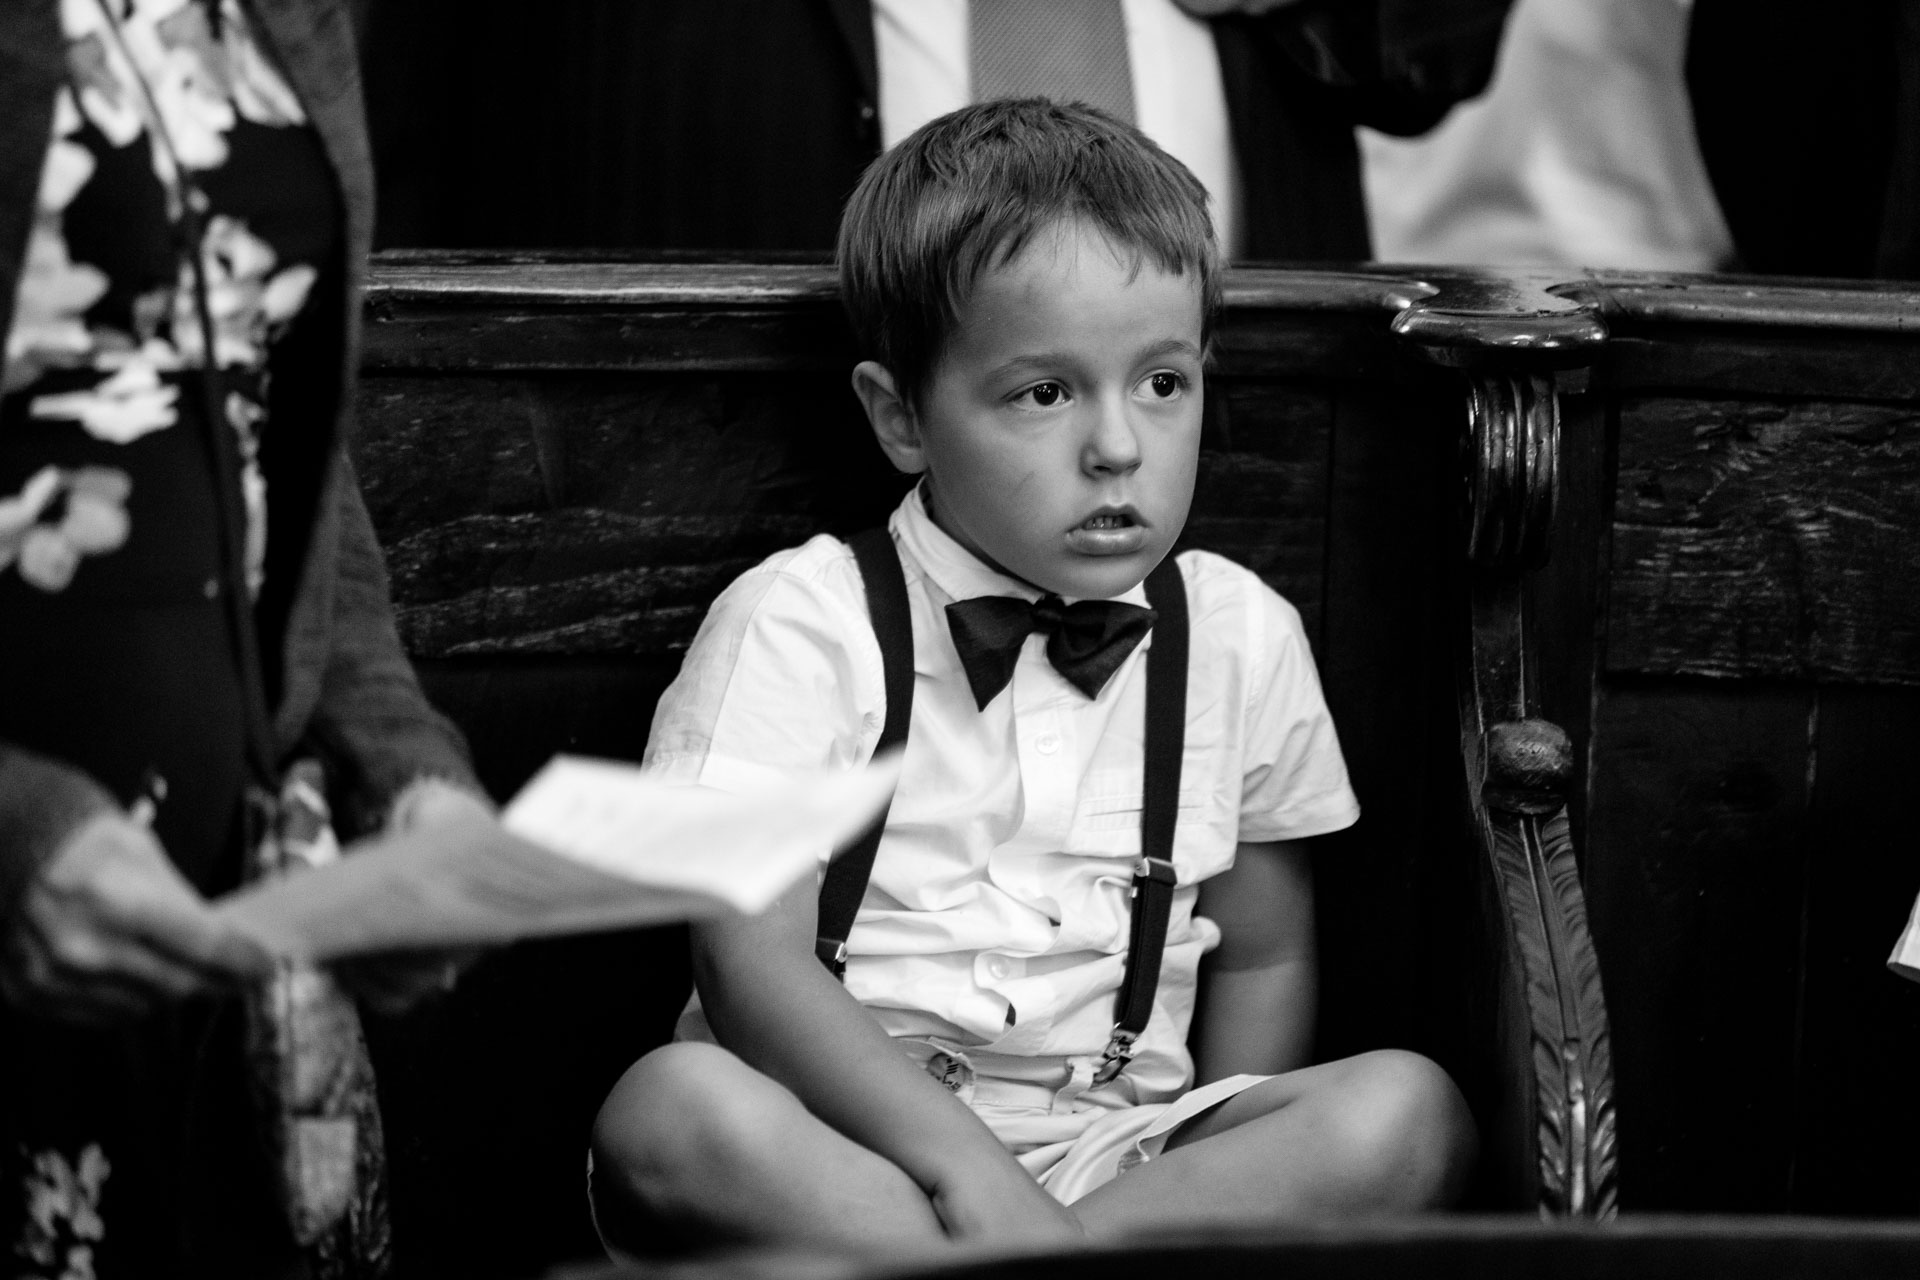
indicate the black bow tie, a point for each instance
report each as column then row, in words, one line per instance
column 1086, row 641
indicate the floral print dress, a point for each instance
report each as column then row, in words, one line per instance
column 185, row 213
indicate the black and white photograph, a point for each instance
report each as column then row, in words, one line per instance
column 959, row 640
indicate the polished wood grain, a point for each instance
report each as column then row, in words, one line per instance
column 434, row 310
column 1767, row 538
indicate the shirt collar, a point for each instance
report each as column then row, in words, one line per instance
column 952, row 568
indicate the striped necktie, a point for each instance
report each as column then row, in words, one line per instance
column 1067, row 50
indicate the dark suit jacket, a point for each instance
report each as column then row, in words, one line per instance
column 711, row 125
column 1809, row 125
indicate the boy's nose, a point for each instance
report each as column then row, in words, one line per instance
column 1113, row 446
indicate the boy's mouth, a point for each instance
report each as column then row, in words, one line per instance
column 1110, row 531
column 1110, row 519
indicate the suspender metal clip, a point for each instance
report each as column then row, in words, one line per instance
column 832, row 952
column 1118, row 1054
column 1151, row 868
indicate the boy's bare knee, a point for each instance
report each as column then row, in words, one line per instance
column 1407, row 1132
column 649, row 1100
column 681, row 1118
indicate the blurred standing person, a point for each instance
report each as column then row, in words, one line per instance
column 716, row 125
column 1809, row 122
column 1257, row 97
column 191, row 599
column 1582, row 154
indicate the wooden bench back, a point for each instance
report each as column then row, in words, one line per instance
column 567, row 460
column 1755, row 728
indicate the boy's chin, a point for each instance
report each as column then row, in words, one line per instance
column 1097, row 578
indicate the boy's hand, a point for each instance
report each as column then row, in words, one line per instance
column 1005, row 1209
column 108, row 930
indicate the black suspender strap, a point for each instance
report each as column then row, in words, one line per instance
column 847, row 875
column 1153, row 879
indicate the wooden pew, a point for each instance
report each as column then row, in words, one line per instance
column 1499, row 502
column 1754, row 718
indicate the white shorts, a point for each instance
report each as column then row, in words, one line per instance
column 1071, row 1135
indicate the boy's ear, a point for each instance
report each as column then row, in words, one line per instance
column 894, row 423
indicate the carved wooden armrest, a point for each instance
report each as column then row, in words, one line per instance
column 1517, row 350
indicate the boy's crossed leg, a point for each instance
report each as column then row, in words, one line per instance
column 696, row 1150
column 1381, row 1132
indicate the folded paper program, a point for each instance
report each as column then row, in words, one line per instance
column 586, row 845
column 1905, row 959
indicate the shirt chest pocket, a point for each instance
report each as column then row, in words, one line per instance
column 1106, row 824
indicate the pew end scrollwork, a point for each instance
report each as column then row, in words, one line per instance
column 1518, row 350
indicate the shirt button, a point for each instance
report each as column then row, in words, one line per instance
column 210, row 588
column 1047, row 743
column 998, row 968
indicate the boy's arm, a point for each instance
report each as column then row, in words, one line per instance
column 770, row 1001
column 1259, row 985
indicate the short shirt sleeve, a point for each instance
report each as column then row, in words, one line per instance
column 1295, row 780
column 783, row 674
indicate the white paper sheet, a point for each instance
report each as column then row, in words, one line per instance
column 588, row 844
column 1905, row 959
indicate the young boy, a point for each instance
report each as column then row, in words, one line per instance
column 1035, row 284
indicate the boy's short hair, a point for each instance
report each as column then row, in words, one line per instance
column 969, row 190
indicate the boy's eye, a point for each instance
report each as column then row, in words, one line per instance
column 1046, row 394
column 1165, row 384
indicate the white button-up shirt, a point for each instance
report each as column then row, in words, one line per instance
column 998, row 912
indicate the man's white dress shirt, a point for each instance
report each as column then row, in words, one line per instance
column 1580, row 154
column 1178, row 99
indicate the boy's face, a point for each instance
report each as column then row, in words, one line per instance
column 1060, row 431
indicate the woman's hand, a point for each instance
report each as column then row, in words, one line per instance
column 393, row 982
column 431, row 802
column 108, row 930
column 1000, row 1207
